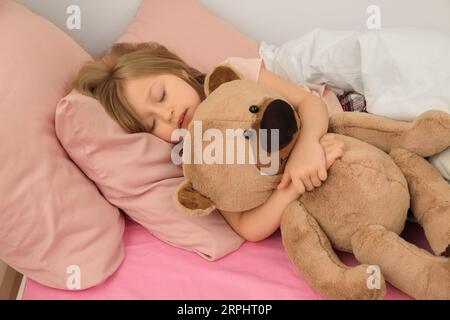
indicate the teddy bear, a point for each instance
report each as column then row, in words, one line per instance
column 362, row 206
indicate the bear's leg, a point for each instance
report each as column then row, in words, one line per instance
column 407, row 267
column 310, row 250
column 429, row 134
column 430, row 198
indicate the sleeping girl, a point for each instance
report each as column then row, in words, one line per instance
column 144, row 87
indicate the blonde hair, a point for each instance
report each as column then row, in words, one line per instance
column 102, row 79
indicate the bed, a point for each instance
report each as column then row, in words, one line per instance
column 154, row 269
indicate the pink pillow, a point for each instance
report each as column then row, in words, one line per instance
column 189, row 29
column 134, row 171
column 53, row 220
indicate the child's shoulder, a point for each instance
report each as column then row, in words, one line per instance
column 248, row 67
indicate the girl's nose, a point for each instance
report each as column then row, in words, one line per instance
column 166, row 114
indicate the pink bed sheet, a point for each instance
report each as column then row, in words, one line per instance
column 154, row 269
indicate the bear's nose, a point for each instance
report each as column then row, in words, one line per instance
column 279, row 115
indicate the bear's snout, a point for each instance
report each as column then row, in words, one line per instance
column 279, row 115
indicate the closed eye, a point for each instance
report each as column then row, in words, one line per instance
column 163, row 96
column 151, row 126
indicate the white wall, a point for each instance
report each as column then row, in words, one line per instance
column 274, row 21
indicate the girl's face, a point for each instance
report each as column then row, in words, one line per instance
column 164, row 102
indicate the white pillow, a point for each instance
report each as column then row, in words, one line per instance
column 442, row 162
column 401, row 72
column 405, row 72
column 320, row 56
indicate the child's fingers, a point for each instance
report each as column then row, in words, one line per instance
column 327, row 147
column 340, row 144
column 315, row 180
column 333, row 155
column 307, row 183
column 326, row 138
column 284, row 181
column 298, row 184
column 330, row 161
column 333, row 150
column 323, row 173
column 338, row 150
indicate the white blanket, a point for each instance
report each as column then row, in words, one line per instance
column 401, row 72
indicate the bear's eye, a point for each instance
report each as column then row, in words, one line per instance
column 248, row 133
column 254, row 109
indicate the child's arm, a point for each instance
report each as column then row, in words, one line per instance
column 312, row 110
column 260, row 222
column 306, row 164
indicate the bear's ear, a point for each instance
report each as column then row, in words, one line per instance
column 219, row 75
column 190, row 201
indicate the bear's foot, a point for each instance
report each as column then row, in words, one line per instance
column 310, row 250
column 430, row 198
column 407, row 267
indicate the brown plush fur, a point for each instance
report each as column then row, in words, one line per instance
column 360, row 208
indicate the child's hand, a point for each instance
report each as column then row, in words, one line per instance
column 292, row 193
column 286, row 195
column 306, row 167
column 334, row 148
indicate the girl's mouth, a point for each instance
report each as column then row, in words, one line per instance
column 181, row 120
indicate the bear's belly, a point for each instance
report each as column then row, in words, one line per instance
column 364, row 187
